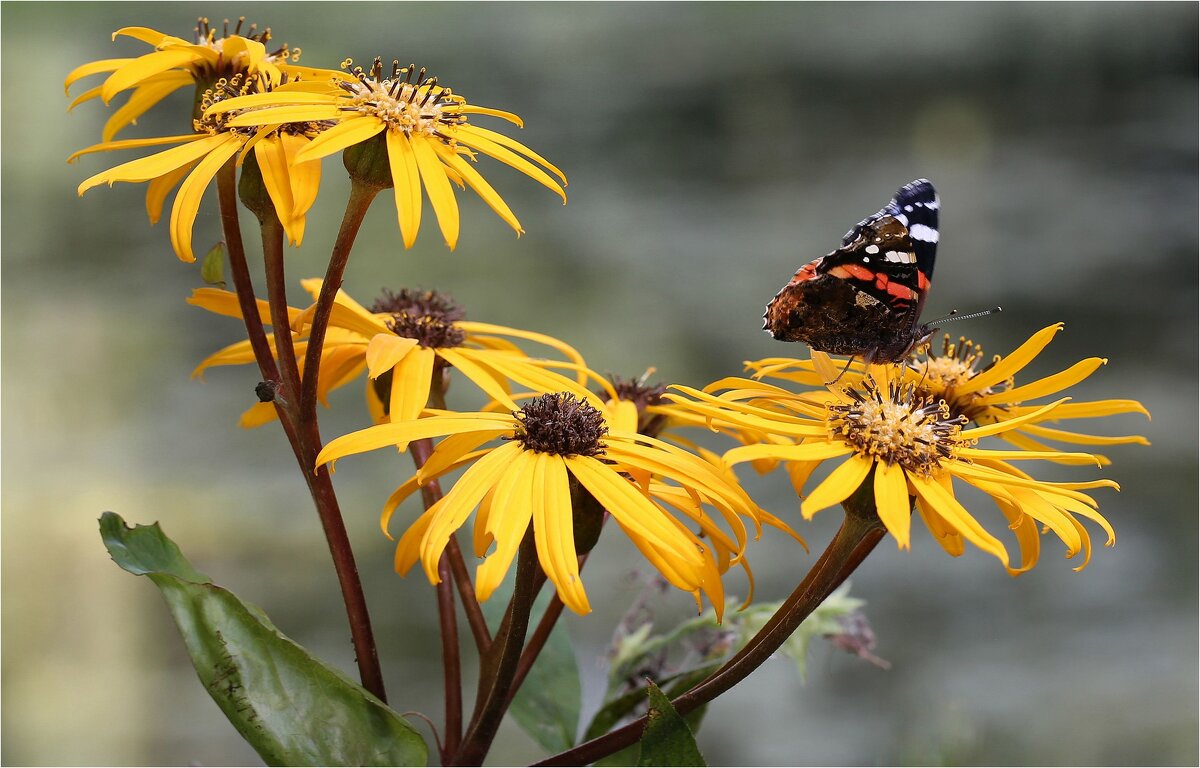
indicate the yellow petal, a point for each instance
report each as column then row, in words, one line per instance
column 1090, row 410
column 284, row 96
column 450, row 450
column 472, row 327
column 947, row 538
column 476, row 369
column 838, row 487
column 441, row 195
column 1058, row 456
column 408, row 549
column 814, row 452
column 291, row 114
column 110, row 146
column 1075, row 437
column 461, row 500
column 143, row 98
column 505, row 141
column 272, row 166
column 988, row 430
column 406, row 185
column 161, row 186
column 477, row 183
column 638, row 515
column 304, row 177
column 1047, row 386
column 257, row 415
column 384, row 351
column 471, row 109
column 344, row 134
column 411, row 380
column 516, row 495
column 146, row 168
column 950, row 510
column 187, row 202
column 134, row 71
column 396, row 433
column 892, row 502
column 553, row 533
column 510, row 159
column 151, row 37
column 415, row 483
column 1008, row 366
column 91, row 68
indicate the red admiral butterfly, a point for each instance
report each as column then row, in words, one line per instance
column 865, row 298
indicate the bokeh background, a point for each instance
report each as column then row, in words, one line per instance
column 711, row 149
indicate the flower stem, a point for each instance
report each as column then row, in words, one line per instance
column 860, row 532
column 431, row 493
column 451, row 666
column 356, row 209
column 303, row 435
column 272, row 240
column 502, row 660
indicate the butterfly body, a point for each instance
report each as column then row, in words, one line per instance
column 866, row 297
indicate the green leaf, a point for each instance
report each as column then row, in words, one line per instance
column 548, row 702
column 617, row 709
column 212, row 266
column 667, row 740
column 292, row 708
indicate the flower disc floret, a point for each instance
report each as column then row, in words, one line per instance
column 561, row 424
column 407, row 101
column 416, row 302
column 430, row 331
column 899, row 428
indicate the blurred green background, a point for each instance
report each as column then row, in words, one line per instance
column 711, row 149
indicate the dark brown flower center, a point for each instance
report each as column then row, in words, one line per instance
column 430, row 331
column 561, row 424
column 415, row 302
column 643, row 395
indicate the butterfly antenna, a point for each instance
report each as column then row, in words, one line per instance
column 954, row 317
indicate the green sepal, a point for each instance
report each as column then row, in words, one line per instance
column 291, row 708
column 667, row 740
column 367, row 162
column 252, row 190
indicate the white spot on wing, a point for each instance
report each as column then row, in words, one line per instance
column 873, row 249
column 923, row 233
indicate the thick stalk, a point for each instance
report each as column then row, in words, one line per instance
column 285, row 351
column 305, row 442
column 860, row 532
column 451, row 665
column 505, row 655
column 356, row 209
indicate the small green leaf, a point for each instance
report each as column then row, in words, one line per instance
column 548, row 702
column 292, row 708
column 212, row 266
column 667, row 740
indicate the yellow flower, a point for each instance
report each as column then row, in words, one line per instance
column 551, row 443
column 400, row 341
column 905, row 445
column 989, row 395
column 291, row 184
column 428, row 139
column 175, row 63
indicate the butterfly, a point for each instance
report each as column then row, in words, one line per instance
column 865, row 298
